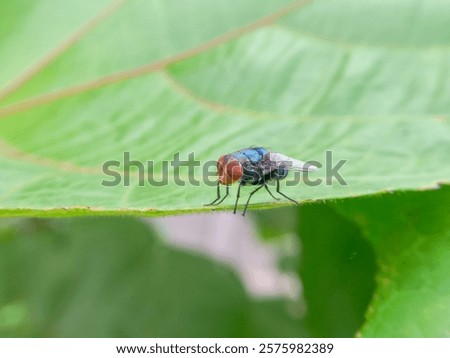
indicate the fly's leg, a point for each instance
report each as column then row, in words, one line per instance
column 218, row 195
column 249, row 197
column 237, row 197
column 227, row 191
column 279, row 192
column 267, row 188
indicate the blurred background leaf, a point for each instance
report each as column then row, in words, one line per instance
column 410, row 234
column 105, row 277
column 98, row 78
column 337, row 271
column 375, row 266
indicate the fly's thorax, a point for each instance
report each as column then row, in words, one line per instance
column 252, row 174
column 254, row 155
column 229, row 169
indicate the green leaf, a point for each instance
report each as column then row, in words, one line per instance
column 337, row 271
column 155, row 78
column 104, row 277
column 410, row 235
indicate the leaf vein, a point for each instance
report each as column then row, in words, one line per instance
column 154, row 66
column 53, row 54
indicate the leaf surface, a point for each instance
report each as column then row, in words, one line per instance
column 155, row 78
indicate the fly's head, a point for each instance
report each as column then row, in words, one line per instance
column 229, row 169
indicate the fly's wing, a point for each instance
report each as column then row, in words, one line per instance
column 283, row 160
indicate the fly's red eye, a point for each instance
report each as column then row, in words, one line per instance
column 229, row 169
column 234, row 170
column 221, row 165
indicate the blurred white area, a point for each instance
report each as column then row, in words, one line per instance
column 233, row 240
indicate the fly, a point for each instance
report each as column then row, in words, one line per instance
column 255, row 166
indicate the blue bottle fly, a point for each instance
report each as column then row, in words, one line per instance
column 255, row 166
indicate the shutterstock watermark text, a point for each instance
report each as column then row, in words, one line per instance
column 188, row 170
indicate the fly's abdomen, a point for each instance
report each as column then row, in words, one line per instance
column 280, row 173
